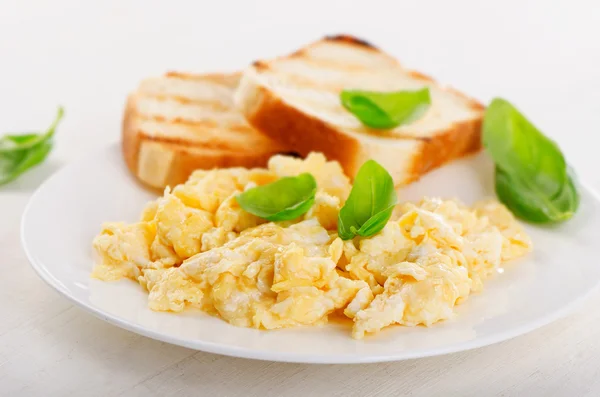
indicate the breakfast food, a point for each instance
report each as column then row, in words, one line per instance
column 179, row 122
column 295, row 100
column 196, row 247
column 322, row 235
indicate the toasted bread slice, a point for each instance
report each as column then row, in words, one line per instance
column 181, row 122
column 295, row 101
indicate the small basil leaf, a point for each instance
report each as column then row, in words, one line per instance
column 9, row 142
column 532, row 178
column 386, row 110
column 284, row 199
column 12, row 165
column 370, row 203
column 346, row 233
column 19, row 153
column 376, row 222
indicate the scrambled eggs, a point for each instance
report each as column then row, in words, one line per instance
column 195, row 247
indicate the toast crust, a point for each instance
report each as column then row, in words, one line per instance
column 130, row 140
column 460, row 140
column 345, row 38
column 285, row 124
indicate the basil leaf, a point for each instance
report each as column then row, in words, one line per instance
column 284, row 199
column 370, row 203
column 526, row 203
column 19, row 153
column 376, row 222
column 386, row 110
column 532, row 179
column 9, row 142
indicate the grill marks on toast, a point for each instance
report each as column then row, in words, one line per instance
column 239, row 137
column 164, row 113
column 212, row 105
column 318, row 80
column 323, row 93
column 344, row 38
column 181, row 122
column 229, row 80
column 294, row 99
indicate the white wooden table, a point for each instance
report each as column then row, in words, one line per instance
column 544, row 56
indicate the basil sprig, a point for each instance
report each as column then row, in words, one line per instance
column 284, row 199
column 370, row 204
column 532, row 177
column 19, row 153
column 386, row 110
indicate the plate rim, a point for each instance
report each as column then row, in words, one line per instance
column 247, row 353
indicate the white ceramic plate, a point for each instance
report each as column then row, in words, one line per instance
column 65, row 214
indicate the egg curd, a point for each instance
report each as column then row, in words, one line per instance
column 195, row 247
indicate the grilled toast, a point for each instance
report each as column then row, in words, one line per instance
column 294, row 100
column 180, row 122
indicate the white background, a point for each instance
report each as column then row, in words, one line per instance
column 542, row 55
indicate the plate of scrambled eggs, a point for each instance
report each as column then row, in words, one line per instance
column 451, row 270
